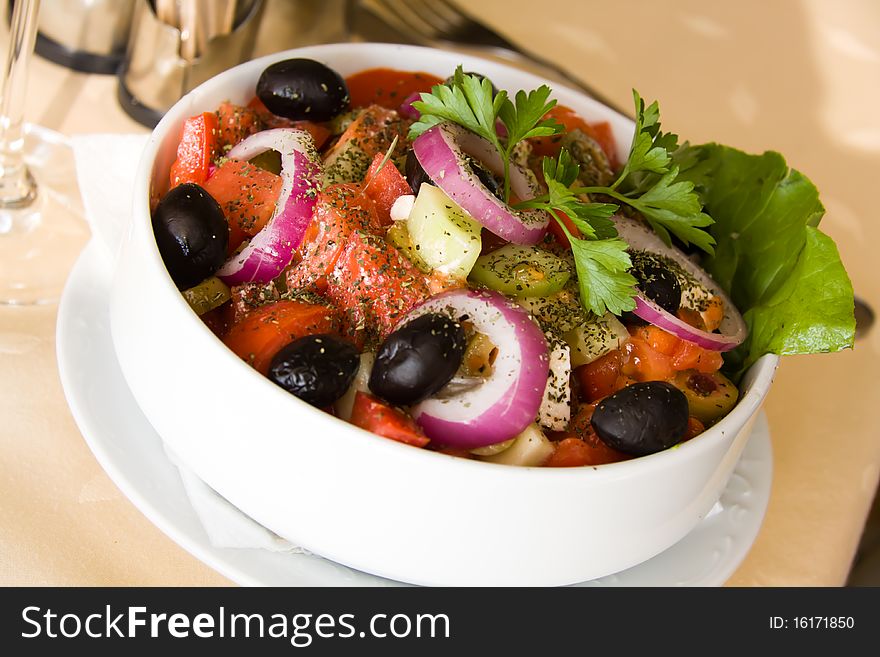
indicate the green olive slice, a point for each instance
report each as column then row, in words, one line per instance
column 710, row 396
column 207, row 295
column 521, row 271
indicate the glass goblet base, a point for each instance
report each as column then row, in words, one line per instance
column 40, row 241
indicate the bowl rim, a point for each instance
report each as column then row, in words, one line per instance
column 762, row 371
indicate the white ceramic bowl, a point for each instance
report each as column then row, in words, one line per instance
column 365, row 501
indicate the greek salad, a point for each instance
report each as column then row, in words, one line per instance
column 478, row 272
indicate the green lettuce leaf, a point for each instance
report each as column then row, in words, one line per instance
column 783, row 274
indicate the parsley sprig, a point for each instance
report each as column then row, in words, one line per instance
column 468, row 101
column 604, row 280
column 600, row 258
column 651, row 149
column 648, row 181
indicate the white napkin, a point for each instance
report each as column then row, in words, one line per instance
column 225, row 525
column 106, row 165
column 105, row 169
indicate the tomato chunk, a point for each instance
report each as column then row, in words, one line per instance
column 248, row 297
column 263, row 332
column 384, row 186
column 235, row 123
column 658, row 339
column 246, row 193
column 197, row 149
column 599, row 378
column 387, row 87
column 371, row 132
column 691, row 317
column 374, row 285
column 374, row 415
column 569, row 453
column 694, row 428
column 713, row 315
column 645, row 363
column 340, row 211
column 689, row 356
column 580, row 445
column 236, row 237
column 319, row 133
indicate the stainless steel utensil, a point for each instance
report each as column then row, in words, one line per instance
column 165, row 60
column 439, row 22
column 85, row 35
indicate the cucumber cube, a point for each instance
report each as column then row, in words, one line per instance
column 443, row 234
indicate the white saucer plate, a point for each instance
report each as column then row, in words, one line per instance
column 132, row 454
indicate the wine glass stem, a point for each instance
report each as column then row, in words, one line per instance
column 17, row 186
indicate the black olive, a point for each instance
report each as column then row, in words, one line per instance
column 448, row 81
column 191, row 233
column 485, row 176
column 418, row 359
column 316, row 368
column 657, row 283
column 415, row 174
column 302, row 89
column 642, row 418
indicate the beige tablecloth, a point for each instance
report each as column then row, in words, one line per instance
column 800, row 77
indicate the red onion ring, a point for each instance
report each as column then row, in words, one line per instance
column 270, row 250
column 733, row 328
column 508, row 401
column 442, row 151
column 406, row 109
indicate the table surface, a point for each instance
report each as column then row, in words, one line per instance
column 800, row 77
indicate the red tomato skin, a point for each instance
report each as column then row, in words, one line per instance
column 384, row 186
column 262, row 333
column 235, row 123
column 339, row 211
column 374, row 415
column 689, row 356
column 373, row 131
column 246, row 193
column 644, row 363
column 196, row 150
column 580, row 445
column 387, row 87
column 559, row 235
column 599, row 378
column 374, row 285
column 658, row 339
